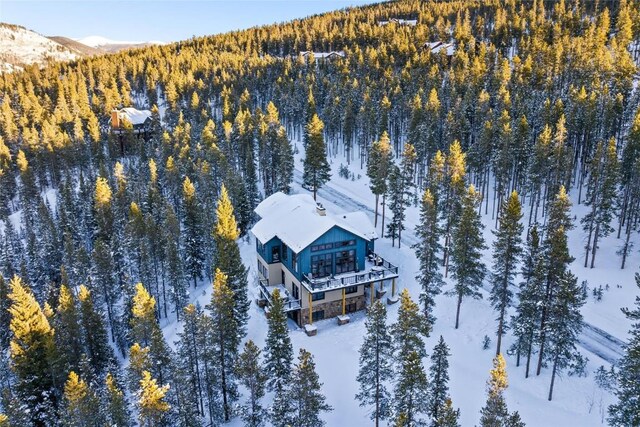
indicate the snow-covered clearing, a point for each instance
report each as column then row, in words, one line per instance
column 577, row 401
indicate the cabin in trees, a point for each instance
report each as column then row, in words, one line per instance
column 130, row 121
column 398, row 21
column 323, row 56
column 449, row 49
column 324, row 265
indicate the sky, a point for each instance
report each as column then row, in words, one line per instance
column 164, row 20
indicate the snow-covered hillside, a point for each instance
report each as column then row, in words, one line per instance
column 20, row 46
column 109, row 45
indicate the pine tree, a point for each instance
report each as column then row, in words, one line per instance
column 254, row 378
column 427, row 249
column 227, row 259
column 564, row 324
column 449, row 416
column 438, row 383
column 307, row 400
column 225, row 339
column 375, row 370
column 507, row 249
column 5, row 316
column 32, row 354
column 411, row 329
column 81, row 408
column 278, row 358
column 396, row 204
column 116, row 409
column 466, row 251
column 192, row 235
column 530, row 298
column 378, row 164
column 317, row 170
column 68, row 337
column 495, row 412
column 625, row 412
column 152, row 404
column 94, row 334
column 411, row 391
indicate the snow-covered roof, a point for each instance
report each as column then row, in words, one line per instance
column 322, row 55
column 436, row 47
column 134, row 116
column 410, row 22
column 295, row 220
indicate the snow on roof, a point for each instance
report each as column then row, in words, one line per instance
column 438, row 46
column 322, row 55
column 134, row 116
column 410, row 22
column 295, row 220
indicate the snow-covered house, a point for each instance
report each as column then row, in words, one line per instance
column 323, row 56
column 398, row 21
column 323, row 264
column 140, row 120
column 436, row 47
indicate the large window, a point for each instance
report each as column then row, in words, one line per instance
column 317, row 296
column 345, row 243
column 294, row 261
column 351, row 289
column 345, row 261
column 317, row 315
column 324, row 247
column 285, row 251
column 321, row 265
column 275, row 254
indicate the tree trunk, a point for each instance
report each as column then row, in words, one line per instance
column 375, row 217
column 458, row 309
column 595, row 245
column 553, row 377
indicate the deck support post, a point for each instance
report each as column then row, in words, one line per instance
column 310, row 309
column 373, row 290
column 393, row 287
column 344, row 302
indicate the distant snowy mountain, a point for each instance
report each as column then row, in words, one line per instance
column 20, row 47
column 109, row 45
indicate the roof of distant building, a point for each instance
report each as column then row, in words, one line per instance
column 322, row 55
column 133, row 115
column 436, row 47
column 297, row 221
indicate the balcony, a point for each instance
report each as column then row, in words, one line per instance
column 266, row 294
column 378, row 270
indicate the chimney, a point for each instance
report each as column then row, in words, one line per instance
column 115, row 119
column 321, row 210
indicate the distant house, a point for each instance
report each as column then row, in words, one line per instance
column 323, row 56
column 439, row 46
column 137, row 122
column 324, row 265
column 408, row 22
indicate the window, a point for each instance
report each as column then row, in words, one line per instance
column 324, row 247
column 260, row 246
column 351, row 289
column 346, row 243
column 285, row 251
column 317, row 296
column 294, row 261
column 263, row 270
column 321, row 265
column 275, row 254
column 350, row 308
column 345, row 261
column 295, row 291
column 317, row 315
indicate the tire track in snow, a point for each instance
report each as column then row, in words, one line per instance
column 592, row 339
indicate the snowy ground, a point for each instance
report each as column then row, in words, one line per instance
column 577, row 401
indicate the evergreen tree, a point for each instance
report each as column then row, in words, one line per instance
column 530, row 298
column 427, row 249
column 254, row 378
column 396, row 204
column 375, row 370
column 81, row 408
column 625, row 412
column 317, row 170
column 152, row 405
column 5, row 316
column 307, row 400
column 116, row 410
column 507, row 249
column 495, row 412
column 468, row 244
column 411, row 329
column 438, row 391
column 94, row 334
column 225, row 340
column 411, row 390
column 378, row 164
column 192, row 235
column 227, row 259
column 32, row 355
column 449, row 416
column 278, row 358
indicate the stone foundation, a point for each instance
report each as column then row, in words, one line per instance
column 332, row 308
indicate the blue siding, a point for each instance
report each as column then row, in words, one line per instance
column 267, row 253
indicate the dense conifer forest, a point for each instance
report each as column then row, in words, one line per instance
column 103, row 236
